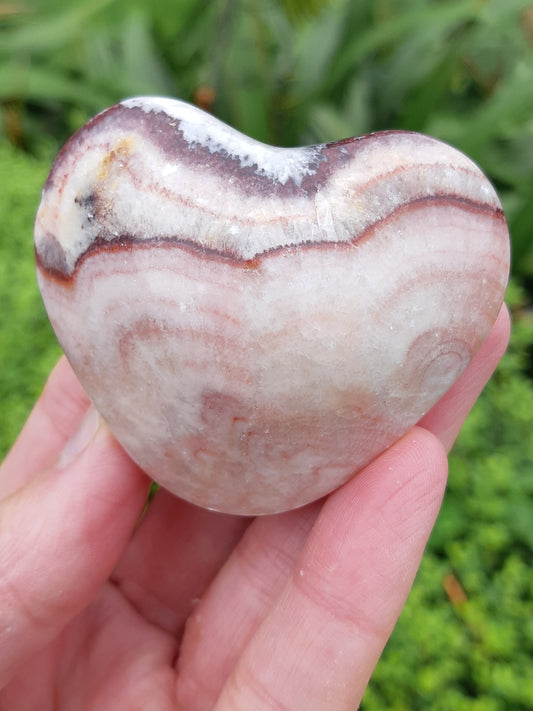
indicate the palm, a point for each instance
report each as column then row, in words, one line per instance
column 191, row 610
column 108, row 657
column 122, row 650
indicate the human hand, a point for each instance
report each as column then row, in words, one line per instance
column 104, row 607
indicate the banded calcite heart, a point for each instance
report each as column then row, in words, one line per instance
column 255, row 324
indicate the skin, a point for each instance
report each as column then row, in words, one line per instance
column 106, row 605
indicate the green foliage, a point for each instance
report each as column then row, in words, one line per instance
column 292, row 72
column 471, row 648
column 27, row 346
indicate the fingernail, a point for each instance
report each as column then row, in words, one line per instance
column 81, row 438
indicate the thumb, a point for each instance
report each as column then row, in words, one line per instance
column 60, row 537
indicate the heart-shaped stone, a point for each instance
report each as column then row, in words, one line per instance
column 256, row 324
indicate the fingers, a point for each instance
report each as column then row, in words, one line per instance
column 255, row 574
column 320, row 642
column 236, row 603
column 175, row 553
column 60, row 536
column 446, row 418
column 62, row 532
column 54, row 418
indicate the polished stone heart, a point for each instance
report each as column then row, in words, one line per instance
column 256, row 324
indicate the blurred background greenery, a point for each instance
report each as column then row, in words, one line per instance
column 292, row 72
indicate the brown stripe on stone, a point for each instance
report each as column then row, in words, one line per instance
column 77, row 142
column 50, row 257
column 162, row 131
